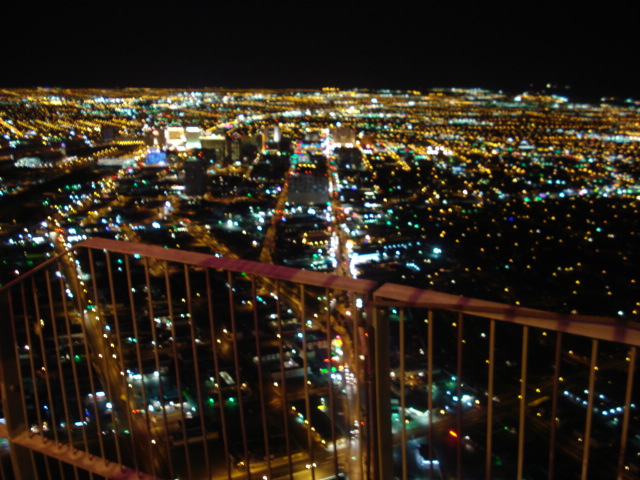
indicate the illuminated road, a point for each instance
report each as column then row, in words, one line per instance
column 269, row 244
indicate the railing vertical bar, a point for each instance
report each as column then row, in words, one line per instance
column 430, row 387
column 523, row 399
column 74, row 369
column 176, row 366
column 459, row 394
column 94, row 279
column 236, row 364
column 256, row 326
column 384, row 441
column 79, row 295
column 31, row 359
column 587, row 431
column 118, row 343
column 61, row 377
column 627, row 411
column 21, row 465
column 359, row 366
column 283, row 386
column 196, row 369
column 48, row 373
column 492, row 341
column 45, row 365
column 402, row 397
column 105, row 350
column 13, row 321
column 307, row 403
column 371, row 406
column 156, row 357
column 332, row 410
column 33, row 372
column 18, row 366
column 216, row 368
column 554, row 406
column 134, row 323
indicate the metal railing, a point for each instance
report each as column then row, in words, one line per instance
column 123, row 360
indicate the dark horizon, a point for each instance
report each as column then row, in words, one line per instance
column 592, row 51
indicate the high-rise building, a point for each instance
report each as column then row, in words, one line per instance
column 349, row 159
column 192, row 137
column 271, row 137
column 216, row 145
column 195, row 176
column 154, row 137
column 175, row 137
column 344, row 135
column 309, row 184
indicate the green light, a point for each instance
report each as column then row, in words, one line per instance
column 232, row 400
column 211, row 401
column 76, row 358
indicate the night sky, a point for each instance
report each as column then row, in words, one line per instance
column 407, row 45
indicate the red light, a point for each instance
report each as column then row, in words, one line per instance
column 453, row 434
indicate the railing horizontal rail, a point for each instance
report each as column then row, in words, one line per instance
column 73, row 456
column 602, row 328
column 279, row 272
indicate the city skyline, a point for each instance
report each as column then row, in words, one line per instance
column 451, row 171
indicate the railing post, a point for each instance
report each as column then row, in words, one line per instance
column 382, row 387
column 12, row 398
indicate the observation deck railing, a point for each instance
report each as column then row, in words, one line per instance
column 123, row 360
